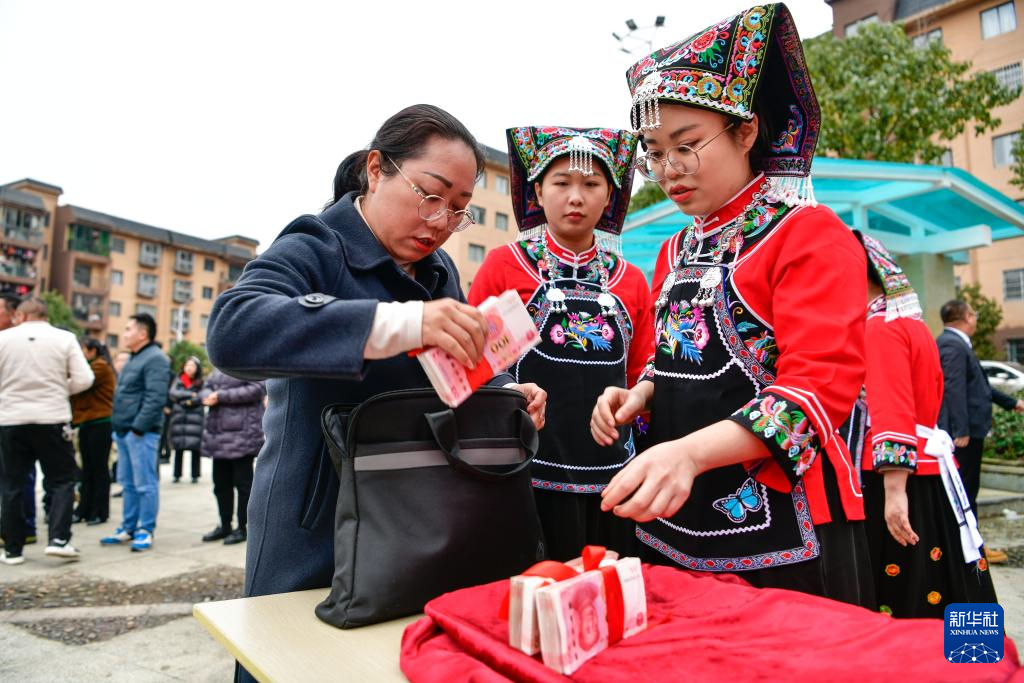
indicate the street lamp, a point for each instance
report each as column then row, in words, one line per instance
column 639, row 36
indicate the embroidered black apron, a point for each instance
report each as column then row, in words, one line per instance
column 709, row 363
column 581, row 352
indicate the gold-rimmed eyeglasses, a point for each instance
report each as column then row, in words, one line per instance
column 683, row 158
column 433, row 207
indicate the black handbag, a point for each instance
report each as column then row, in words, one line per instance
column 431, row 499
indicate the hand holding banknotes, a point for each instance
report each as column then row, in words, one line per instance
column 458, row 328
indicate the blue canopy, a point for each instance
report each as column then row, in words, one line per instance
column 912, row 209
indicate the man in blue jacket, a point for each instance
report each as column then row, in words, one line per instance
column 967, row 397
column 137, row 419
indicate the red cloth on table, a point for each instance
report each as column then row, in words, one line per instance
column 703, row 627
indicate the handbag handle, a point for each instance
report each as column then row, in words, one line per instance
column 446, row 433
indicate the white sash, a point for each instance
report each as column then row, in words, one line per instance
column 940, row 445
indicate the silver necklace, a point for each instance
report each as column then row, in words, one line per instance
column 731, row 240
column 556, row 297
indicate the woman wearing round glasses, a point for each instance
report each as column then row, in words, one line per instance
column 570, row 192
column 328, row 313
column 759, row 332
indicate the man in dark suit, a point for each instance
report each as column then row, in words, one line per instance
column 967, row 396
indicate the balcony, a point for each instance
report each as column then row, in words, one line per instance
column 24, row 237
column 96, row 283
column 146, row 291
column 90, row 248
column 89, row 311
column 17, row 271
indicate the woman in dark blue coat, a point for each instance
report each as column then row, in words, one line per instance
column 328, row 313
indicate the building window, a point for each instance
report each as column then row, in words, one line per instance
column 1015, row 350
column 481, row 181
column 1009, row 76
column 476, row 253
column 82, row 276
column 1013, row 285
column 853, row 27
column 87, row 308
column 204, row 321
column 117, row 277
column 947, row 158
column 114, row 309
column 208, row 265
column 147, row 285
column 1002, row 149
column 998, row 20
column 922, row 40
column 145, row 308
column 112, row 341
column 501, row 184
column 479, row 214
column 149, row 254
column 207, row 292
column 183, row 262
column 180, row 321
column 501, row 221
column 117, row 245
column 956, row 283
column 182, row 291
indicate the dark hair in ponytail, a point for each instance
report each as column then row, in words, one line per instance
column 402, row 137
column 99, row 347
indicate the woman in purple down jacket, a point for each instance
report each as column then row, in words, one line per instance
column 232, row 436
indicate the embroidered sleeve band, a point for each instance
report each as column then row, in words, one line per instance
column 785, row 429
column 889, row 454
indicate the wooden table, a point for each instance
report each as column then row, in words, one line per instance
column 279, row 638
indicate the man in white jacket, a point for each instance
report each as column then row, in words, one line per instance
column 40, row 367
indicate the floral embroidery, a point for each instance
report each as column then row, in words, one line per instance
column 681, row 331
column 892, row 569
column 791, row 430
column 885, row 609
column 934, row 597
column 583, row 332
column 789, row 138
column 894, row 454
column 762, row 347
column 935, row 554
column 642, row 423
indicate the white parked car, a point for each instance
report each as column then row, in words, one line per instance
column 1006, row 376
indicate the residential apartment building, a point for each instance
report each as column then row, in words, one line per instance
column 109, row 268
column 492, row 210
column 990, row 35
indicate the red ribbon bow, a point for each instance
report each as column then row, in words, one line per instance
column 559, row 571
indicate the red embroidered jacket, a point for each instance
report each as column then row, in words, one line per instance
column 805, row 280
column 904, row 389
column 508, row 267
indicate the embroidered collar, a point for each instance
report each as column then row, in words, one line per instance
column 876, row 305
column 711, row 223
column 569, row 256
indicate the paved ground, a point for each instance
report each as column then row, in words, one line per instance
column 123, row 616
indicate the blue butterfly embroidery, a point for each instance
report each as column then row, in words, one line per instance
column 735, row 506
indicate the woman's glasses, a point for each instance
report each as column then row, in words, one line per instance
column 683, row 159
column 433, row 207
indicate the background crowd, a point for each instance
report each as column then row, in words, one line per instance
column 89, row 420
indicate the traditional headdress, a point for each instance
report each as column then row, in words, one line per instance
column 531, row 149
column 724, row 68
column 900, row 298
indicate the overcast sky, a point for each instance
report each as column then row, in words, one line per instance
column 214, row 118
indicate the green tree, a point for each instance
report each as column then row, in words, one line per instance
column 60, row 312
column 180, row 351
column 990, row 314
column 883, row 99
column 649, row 194
column 1017, row 154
